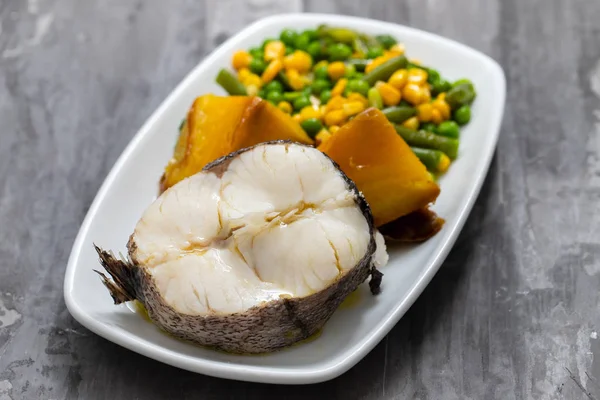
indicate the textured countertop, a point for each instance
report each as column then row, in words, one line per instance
column 514, row 312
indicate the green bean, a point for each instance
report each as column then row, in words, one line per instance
column 434, row 160
column 230, row 83
column 340, row 35
column 358, row 63
column 385, row 70
column 375, row 99
column 399, row 114
column 291, row 96
column 359, row 46
column 284, row 81
column 460, row 95
column 429, row 140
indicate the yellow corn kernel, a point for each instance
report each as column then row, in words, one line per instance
column 285, row 106
column 334, row 128
column 309, row 112
column 339, row 87
column 389, row 94
column 443, row 163
column 295, row 80
column 417, row 75
column 274, row 50
column 353, row 108
column 297, row 118
column 271, row 71
column 241, row 59
column 424, row 112
column 252, row 80
column 320, row 64
column 425, row 94
column 377, row 61
column 415, row 61
column 298, row 60
column 252, row 90
column 412, row 93
column 354, row 96
column 411, row 123
column 399, row 79
column 442, row 96
column 322, row 109
column 335, row 103
column 436, row 116
column 243, row 74
column 322, row 136
column 336, row 117
column 336, row 70
column 442, row 107
column 397, row 49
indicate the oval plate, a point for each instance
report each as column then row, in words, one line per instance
column 353, row 330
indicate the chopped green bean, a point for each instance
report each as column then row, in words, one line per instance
column 230, row 83
column 340, row 35
column 460, row 95
column 385, row 70
column 359, row 64
column 399, row 114
column 434, row 160
column 449, row 129
column 375, row 99
column 429, row 140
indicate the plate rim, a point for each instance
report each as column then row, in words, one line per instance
column 262, row 373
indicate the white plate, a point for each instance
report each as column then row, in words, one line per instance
column 353, row 331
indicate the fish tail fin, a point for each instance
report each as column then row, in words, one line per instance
column 122, row 285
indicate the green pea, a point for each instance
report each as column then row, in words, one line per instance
column 433, row 76
column 321, row 72
column 314, row 49
column 461, row 81
column 311, row 33
column 386, row 41
column 274, row 86
column 325, row 96
column 358, row 75
column 319, row 85
column 339, row 52
column 267, row 41
column 358, row 86
column 301, row 102
column 302, row 41
column 312, row 126
column 274, row 97
column 374, row 52
column 441, row 86
column 256, row 52
column 288, row 36
column 429, row 127
column 448, row 129
column 257, row 66
column 462, row 116
column 350, row 71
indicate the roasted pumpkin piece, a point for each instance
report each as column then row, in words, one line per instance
column 392, row 179
column 216, row 126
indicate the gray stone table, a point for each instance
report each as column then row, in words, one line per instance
column 514, row 312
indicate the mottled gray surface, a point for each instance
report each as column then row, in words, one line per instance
column 512, row 314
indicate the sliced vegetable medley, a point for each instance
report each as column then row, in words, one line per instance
column 325, row 77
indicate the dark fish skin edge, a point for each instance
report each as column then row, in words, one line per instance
column 263, row 328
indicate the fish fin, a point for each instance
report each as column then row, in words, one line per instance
column 122, row 285
column 375, row 282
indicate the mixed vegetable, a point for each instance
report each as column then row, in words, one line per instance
column 325, row 77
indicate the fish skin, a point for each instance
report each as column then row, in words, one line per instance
column 263, row 328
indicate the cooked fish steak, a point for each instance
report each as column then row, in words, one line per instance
column 253, row 253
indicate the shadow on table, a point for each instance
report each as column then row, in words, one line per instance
column 392, row 365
